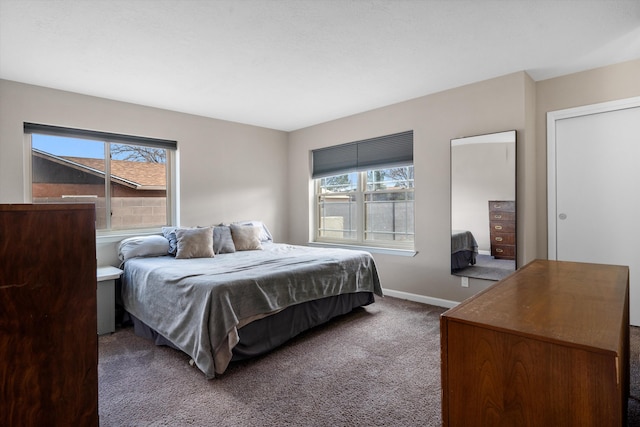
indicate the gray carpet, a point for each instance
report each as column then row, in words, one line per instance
column 634, row 374
column 487, row 267
column 377, row 366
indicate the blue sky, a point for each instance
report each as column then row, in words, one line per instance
column 88, row 148
column 61, row 146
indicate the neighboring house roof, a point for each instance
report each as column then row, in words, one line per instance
column 138, row 175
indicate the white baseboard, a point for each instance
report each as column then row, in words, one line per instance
column 420, row 298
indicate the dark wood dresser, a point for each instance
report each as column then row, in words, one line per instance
column 546, row 346
column 48, row 339
column 502, row 224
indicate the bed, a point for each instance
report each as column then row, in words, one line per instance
column 239, row 304
column 464, row 249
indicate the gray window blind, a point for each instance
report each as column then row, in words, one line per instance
column 101, row 136
column 376, row 153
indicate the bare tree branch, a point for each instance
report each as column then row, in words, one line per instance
column 137, row 153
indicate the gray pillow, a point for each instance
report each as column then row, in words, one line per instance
column 142, row 246
column 170, row 234
column 246, row 237
column 222, row 240
column 195, row 242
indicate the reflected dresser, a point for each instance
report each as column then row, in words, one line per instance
column 502, row 228
column 546, row 346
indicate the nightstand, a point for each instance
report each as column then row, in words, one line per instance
column 107, row 299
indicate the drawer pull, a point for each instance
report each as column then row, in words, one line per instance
column 497, row 216
column 499, row 250
column 498, row 227
column 497, row 206
column 498, row 239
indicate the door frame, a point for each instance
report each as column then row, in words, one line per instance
column 552, row 118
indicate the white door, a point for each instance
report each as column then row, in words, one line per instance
column 594, row 196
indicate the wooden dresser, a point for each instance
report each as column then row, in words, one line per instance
column 502, row 225
column 48, row 340
column 546, row 346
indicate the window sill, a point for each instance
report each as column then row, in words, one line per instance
column 372, row 249
column 117, row 236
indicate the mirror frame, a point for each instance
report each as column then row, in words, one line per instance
column 492, row 226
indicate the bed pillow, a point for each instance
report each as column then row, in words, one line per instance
column 142, row 246
column 265, row 234
column 245, row 237
column 170, row 234
column 195, row 242
column 222, row 240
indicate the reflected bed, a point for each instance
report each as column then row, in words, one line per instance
column 464, row 249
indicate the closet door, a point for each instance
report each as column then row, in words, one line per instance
column 48, row 339
column 594, row 205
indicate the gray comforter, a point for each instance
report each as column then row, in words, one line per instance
column 463, row 240
column 198, row 304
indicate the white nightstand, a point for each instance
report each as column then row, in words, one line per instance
column 107, row 299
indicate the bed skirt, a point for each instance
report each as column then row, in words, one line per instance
column 263, row 335
column 462, row 259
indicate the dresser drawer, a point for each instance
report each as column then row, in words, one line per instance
column 502, row 227
column 502, row 216
column 503, row 238
column 503, row 251
column 502, row 206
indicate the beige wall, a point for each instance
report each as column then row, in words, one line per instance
column 510, row 102
column 484, row 107
column 232, row 171
column 604, row 84
column 228, row 171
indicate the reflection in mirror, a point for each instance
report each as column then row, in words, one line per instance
column 483, row 205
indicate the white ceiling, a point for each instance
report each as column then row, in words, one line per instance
column 288, row 64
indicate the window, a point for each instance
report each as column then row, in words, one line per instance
column 128, row 178
column 371, row 201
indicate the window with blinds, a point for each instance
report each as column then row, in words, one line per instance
column 364, row 192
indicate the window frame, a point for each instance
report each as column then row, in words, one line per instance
column 359, row 194
column 109, row 138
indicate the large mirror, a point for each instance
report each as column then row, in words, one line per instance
column 483, row 205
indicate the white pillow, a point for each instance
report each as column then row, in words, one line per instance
column 265, row 234
column 142, row 246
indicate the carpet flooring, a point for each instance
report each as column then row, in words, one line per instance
column 377, row 366
column 487, row 267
